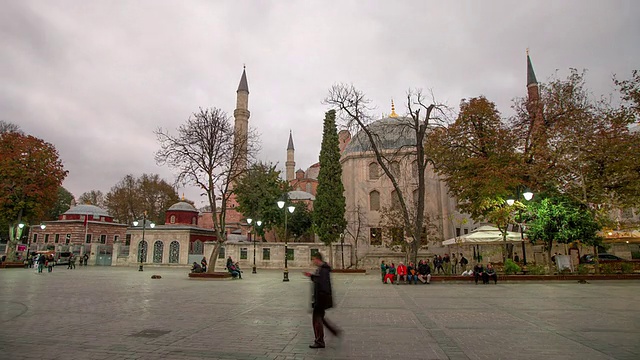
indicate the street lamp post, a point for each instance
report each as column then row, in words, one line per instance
column 527, row 195
column 142, row 243
column 249, row 221
column 342, row 248
column 286, row 248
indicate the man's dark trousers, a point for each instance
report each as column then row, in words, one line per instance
column 318, row 326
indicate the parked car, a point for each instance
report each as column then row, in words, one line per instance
column 63, row 258
column 588, row 259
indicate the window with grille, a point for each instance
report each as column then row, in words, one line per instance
column 158, row 247
column 174, row 252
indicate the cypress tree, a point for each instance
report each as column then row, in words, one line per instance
column 329, row 206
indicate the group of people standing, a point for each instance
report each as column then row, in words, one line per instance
column 41, row 261
column 448, row 265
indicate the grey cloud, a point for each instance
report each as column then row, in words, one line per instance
column 96, row 78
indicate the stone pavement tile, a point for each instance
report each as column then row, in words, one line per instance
column 101, row 312
column 509, row 344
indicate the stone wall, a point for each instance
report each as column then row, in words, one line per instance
column 301, row 255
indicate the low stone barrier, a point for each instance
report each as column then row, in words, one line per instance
column 211, row 276
column 515, row 278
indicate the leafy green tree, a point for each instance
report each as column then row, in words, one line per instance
column 31, row 172
column 63, row 203
column 562, row 220
column 257, row 193
column 300, row 223
column 330, row 204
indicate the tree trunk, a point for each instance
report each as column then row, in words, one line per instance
column 213, row 258
column 549, row 248
column 596, row 264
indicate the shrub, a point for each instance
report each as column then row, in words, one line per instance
column 627, row 268
column 635, row 254
column 607, row 269
column 511, row 267
column 583, row 269
column 537, row 270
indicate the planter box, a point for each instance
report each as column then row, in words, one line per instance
column 213, row 276
column 16, row 264
column 349, row 271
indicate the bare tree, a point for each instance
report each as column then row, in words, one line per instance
column 7, row 127
column 356, row 220
column 92, row 197
column 206, row 153
column 355, row 110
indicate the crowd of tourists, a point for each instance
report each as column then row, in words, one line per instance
column 441, row 265
column 41, row 261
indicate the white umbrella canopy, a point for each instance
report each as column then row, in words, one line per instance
column 483, row 235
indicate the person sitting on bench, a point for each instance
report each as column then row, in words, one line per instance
column 402, row 272
column 424, row 272
column 390, row 277
column 478, row 270
column 233, row 270
column 196, row 268
column 489, row 273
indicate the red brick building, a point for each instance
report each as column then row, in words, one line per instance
column 76, row 229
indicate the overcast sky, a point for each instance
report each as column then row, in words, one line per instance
column 95, row 78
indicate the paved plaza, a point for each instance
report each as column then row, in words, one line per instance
column 120, row 313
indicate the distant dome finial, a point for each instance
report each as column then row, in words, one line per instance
column 182, row 196
column 393, row 110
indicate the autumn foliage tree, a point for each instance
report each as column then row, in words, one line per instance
column 30, row 174
column 476, row 157
column 131, row 197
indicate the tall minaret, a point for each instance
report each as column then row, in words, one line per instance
column 241, row 115
column 290, row 164
column 538, row 140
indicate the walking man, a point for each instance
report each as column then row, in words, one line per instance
column 322, row 300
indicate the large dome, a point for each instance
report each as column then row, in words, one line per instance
column 300, row 195
column 182, row 206
column 392, row 133
column 86, row 209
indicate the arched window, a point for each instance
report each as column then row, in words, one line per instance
column 193, row 220
column 374, row 200
column 414, row 169
column 172, row 219
column 158, row 247
column 174, row 252
column 374, row 171
column 395, row 169
column 142, row 251
column 415, row 196
column 395, row 200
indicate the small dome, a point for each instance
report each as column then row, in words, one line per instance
column 393, row 133
column 182, row 206
column 86, row 209
column 300, row 195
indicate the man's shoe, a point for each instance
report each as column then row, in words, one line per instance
column 316, row 346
